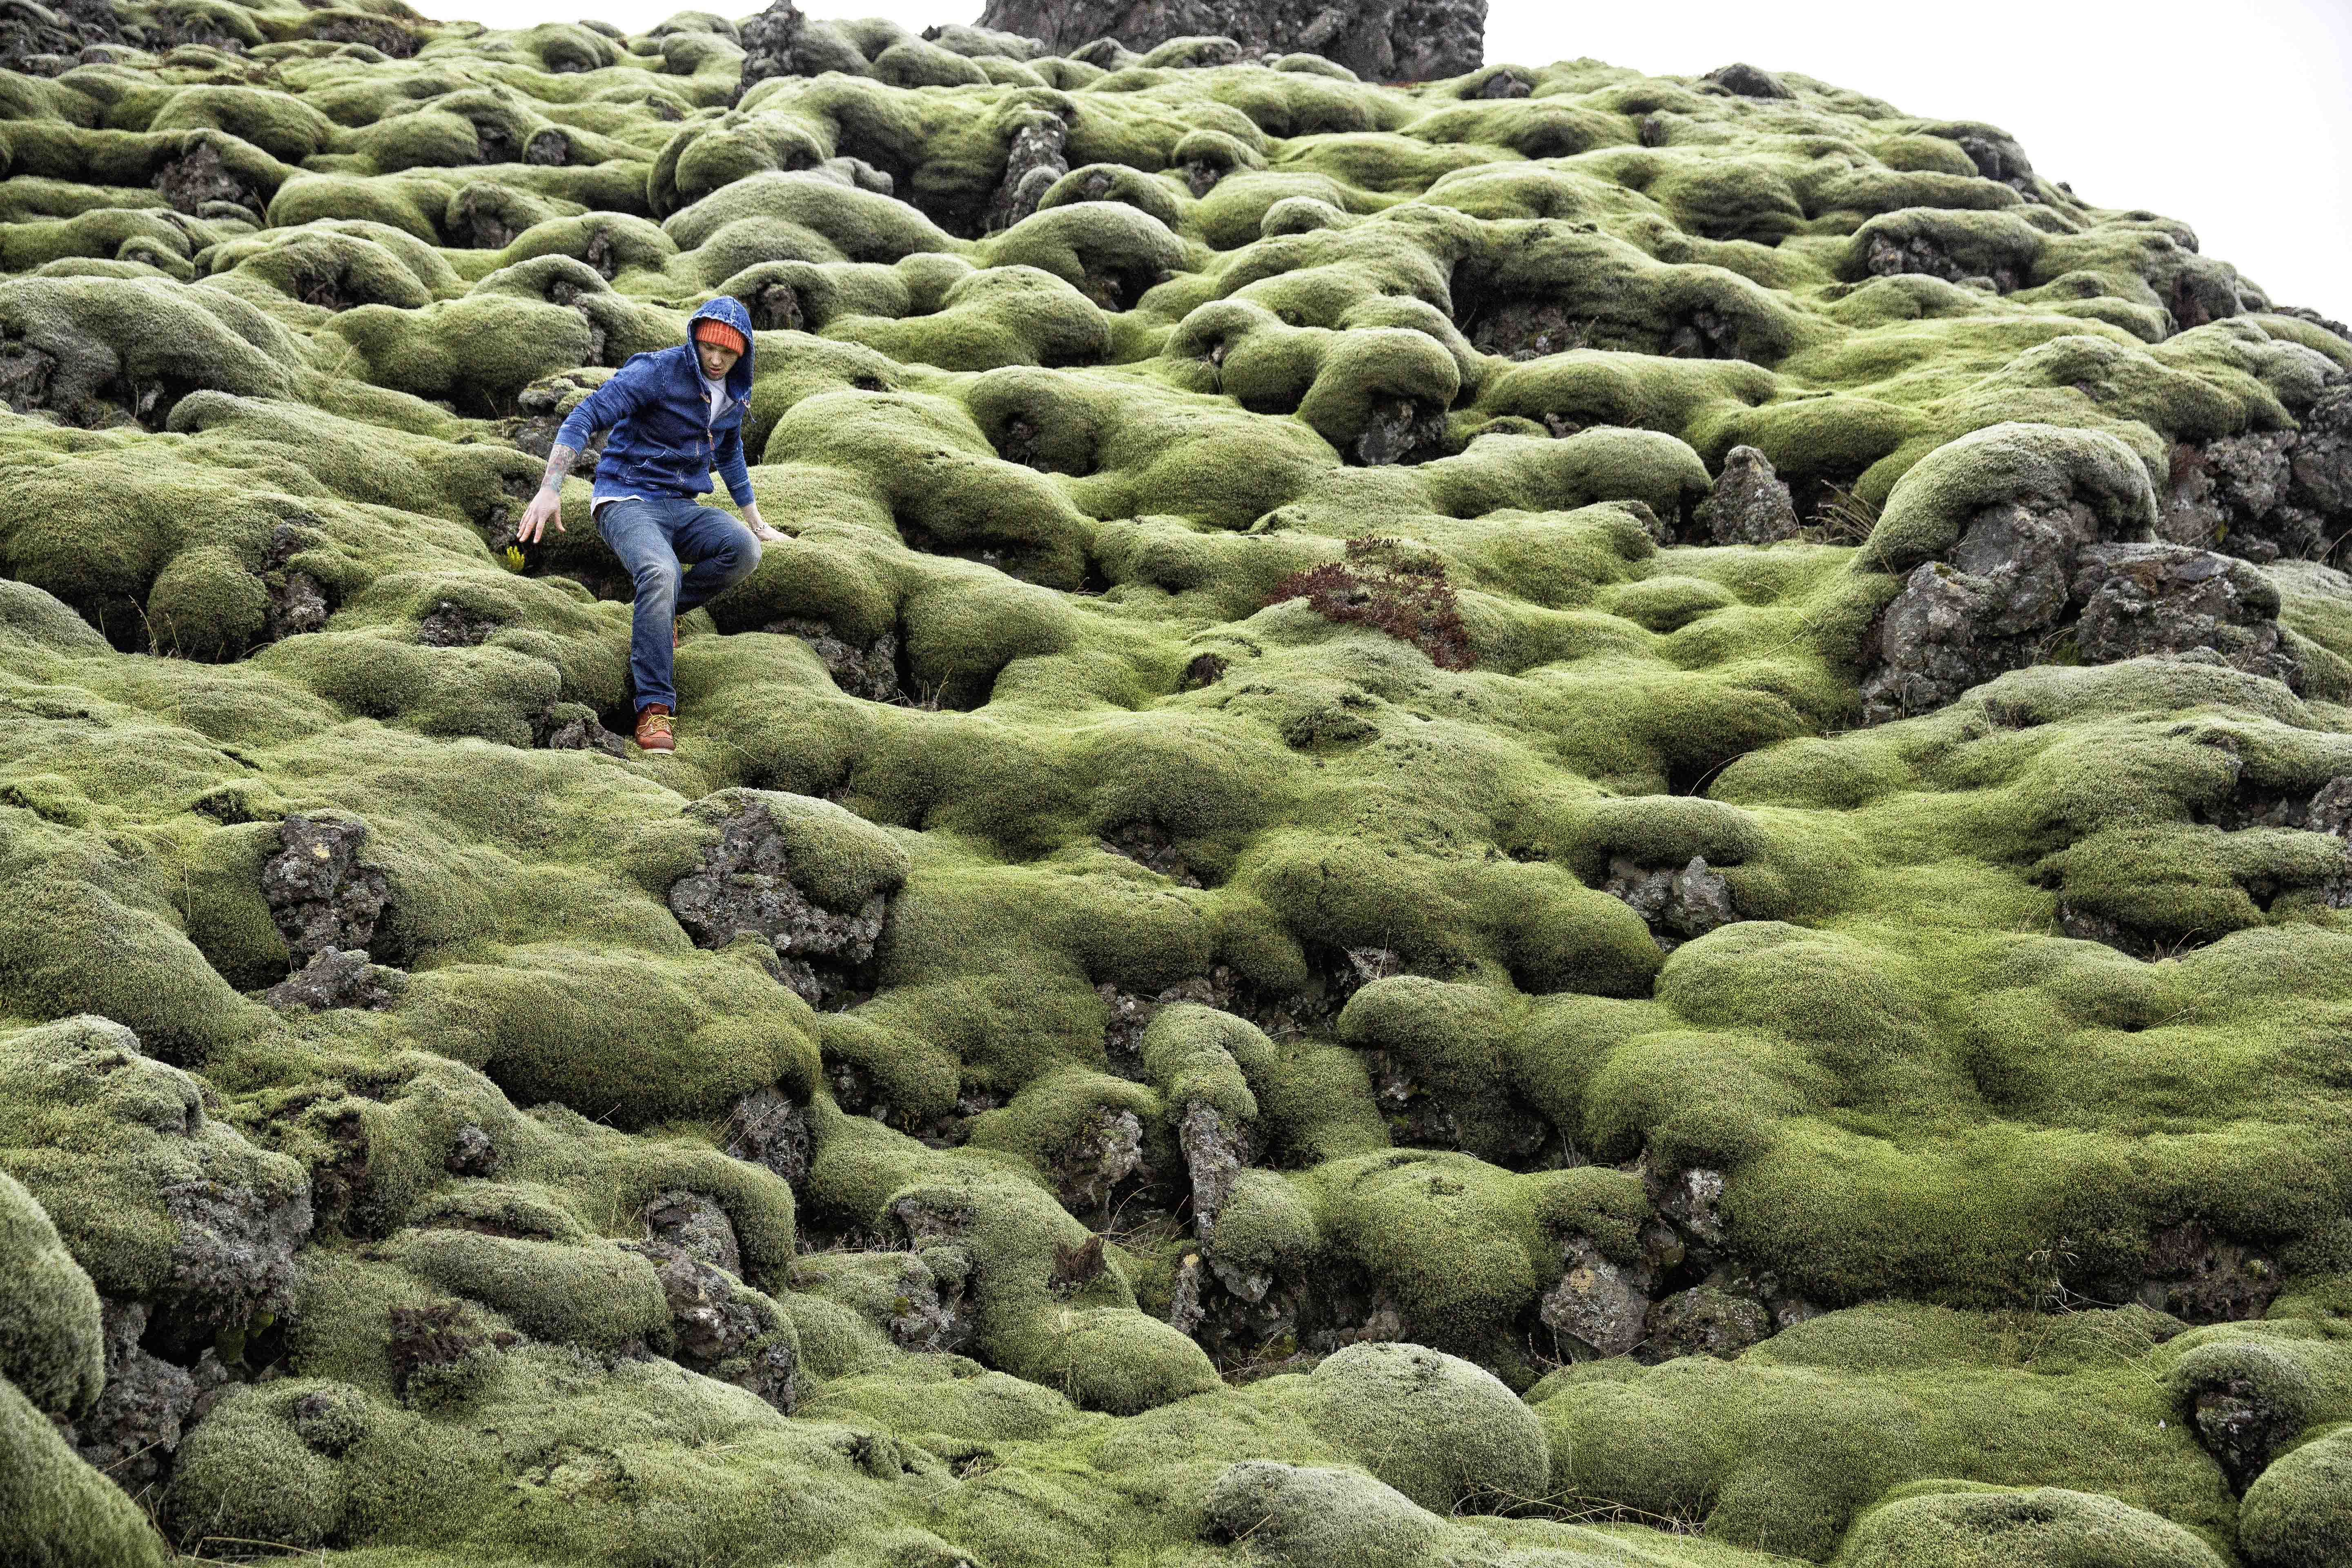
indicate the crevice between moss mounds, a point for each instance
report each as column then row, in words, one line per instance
column 804, row 878
column 2197, row 1277
column 870, row 671
column 133, row 1429
column 82, row 383
column 1521, row 324
column 2273, row 838
column 1382, row 40
column 768, row 1127
column 916, row 1296
column 298, row 603
column 1336, row 975
column 2246, row 1403
column 1255, row 1321
column 1681, row 1293
column 1153, row 847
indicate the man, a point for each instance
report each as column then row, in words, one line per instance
column 676, row 415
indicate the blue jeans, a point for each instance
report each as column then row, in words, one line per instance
column 681, row 554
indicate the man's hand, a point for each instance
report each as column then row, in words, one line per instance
column 547, row 505
column 544, row 508
column 759, row 526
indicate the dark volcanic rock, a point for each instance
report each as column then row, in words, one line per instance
column 721, row 1329
column 575, row 727
column 1035, row 161
column 334, row 978
column 44, row 40
column 1677, row 904
column 1707, row 1320
column 132, row 1431
column 1380, row 40
column 2025, row 573
column 234, row 1257
column 1214, row 1154
column 2240, row 1428
column 199, row 179
column 1747, row 82
column 1958, row 622
column 319, row 893
column 472, row 1154
column 2142, row 599
column 1749, row 504
column 1693, row 1202
column 1400, row 431
column 2267, row 495
column 452, row 625
column 2228, row 489
column 928, row 1313
column 745, row 885
column 297, row 603
column 696, row 1226
column 767, row 1128
column 1890, row 256
column 1106, row 1153
column 1601, row 1305
column 768, row 43
column 2321, row 467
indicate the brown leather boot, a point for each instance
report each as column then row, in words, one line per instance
column 653, row 733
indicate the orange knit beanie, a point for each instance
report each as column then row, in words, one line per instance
column 709, row 331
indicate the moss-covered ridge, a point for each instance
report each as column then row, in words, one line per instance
column 1826, row 1040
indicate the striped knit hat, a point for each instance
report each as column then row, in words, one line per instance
column 713, row 332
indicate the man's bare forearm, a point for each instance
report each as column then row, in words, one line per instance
column 559, row 459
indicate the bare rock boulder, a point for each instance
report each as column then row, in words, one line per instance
column 1749, row 503
column 2140, row 599
column 1678, row 903
column 1603, row 1307
column 334, row 978
column 806, row 877
column 319, row 893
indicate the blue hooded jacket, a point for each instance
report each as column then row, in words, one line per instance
column 664, row 441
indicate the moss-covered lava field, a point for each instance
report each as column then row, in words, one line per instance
column 1536, row 821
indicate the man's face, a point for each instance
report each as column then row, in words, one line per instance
column 717, row 359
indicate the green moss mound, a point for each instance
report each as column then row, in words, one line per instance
column 2034, row 1527
column 1288, row 925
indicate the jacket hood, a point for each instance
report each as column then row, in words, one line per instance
column 730, row 311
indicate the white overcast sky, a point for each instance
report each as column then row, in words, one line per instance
column 2236, row 118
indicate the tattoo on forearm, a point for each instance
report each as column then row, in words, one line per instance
column 559, row 463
